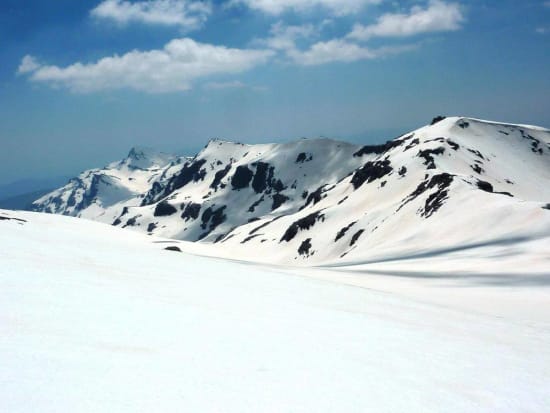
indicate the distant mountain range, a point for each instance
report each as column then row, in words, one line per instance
column 24, row 201
column 451, row 185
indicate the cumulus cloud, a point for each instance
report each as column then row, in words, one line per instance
column 275, row 7
column 173, row 68
column 339, row 50
column 187, row 14
column 438, row 16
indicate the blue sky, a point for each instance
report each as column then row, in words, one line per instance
column 83, row 81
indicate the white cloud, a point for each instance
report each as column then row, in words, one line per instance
column 28, row 65
column 542, row 30
column 546, row 4
column 338, row 50
column 187, row 14
column 436, row 17
column 173, row 68
column 284, row 37
column 275, row 7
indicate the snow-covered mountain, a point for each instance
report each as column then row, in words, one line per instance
column 96, row 192
column 456, row 184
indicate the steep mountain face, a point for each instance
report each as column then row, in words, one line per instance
column 457, row 184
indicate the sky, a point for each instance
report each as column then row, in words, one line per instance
column 81, row 82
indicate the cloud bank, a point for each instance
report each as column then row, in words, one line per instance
column 171, row 69
column 181, row 62
column 187, row 14
column 276, row 7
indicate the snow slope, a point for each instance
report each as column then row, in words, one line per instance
column 460, row 184
column 94, row 318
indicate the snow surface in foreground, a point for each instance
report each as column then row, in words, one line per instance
column 97, row 319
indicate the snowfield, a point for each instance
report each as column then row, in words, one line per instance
column 94, row 318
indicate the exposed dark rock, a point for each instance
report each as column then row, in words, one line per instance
column 131, row 222
column 427, row 154
column 151, row 227
column 402, row 171
column 226, row 237
column 463, row 124
column 477, row 169
column 315, row 196
column 116, row 222
column 262, row 177
column 164, row 209
column 253, row 219
column 438, row 119
column 412, row 144
column 173, row 248
column 304, row 194
column 278, row 185
column 343, row 231
column 455, row 146
column 191, row 172
column 435, row 200
column 476, row 153
column 72, row 199
column 265, row 224
column 252, row 207
column 191, row 211
column 547, row 206
column 378, row 149
column 485, row 186
column 212, row 218
column 219, row 176
column 244, row 241
column 340, row 202
column 304, row 223
column 4, row 218
column 219, row 238
column 534, row 142
column 303, row 157
column 370, row 172
column 242, row 177
column 305, row 246
column 356, row 237
column 278, row 200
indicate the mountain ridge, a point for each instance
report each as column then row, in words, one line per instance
column 323, row 201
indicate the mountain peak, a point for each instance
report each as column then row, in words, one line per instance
column 142, row 157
